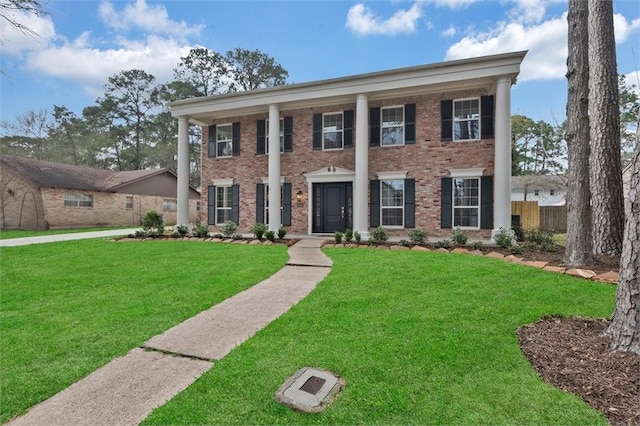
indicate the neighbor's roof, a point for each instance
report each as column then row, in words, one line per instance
column 544, row 182
column 57, row 175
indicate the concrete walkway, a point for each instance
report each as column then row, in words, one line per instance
column 127, row 389
column 11, row 242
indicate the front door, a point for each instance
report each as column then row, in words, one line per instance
column 332, row 207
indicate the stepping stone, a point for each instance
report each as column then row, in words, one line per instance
column 399, row 248
column 512, row 258
column 419, row 248
column 557, row 269
column 495, row 255
column 442, row 250
column 608, row 277
column 459, row 250
column 476, row 253
column 255, row 242
column 581, row 273
column 536, row 264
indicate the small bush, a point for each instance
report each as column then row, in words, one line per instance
column 540, row 237
column 357, row 237
column 337, row 236
column 201, row 231
column 417, row 236
column 218, row 235
column 477, row 245
column 259, row 230
column 460, row 236
column 237, row 236
column 519, row 232
column 516, row 249
column 182, row 230
column 228, row 228
column 270, row 235
column 379, row 235
column 445, row 244
column 348, row 235
column 505, row 237
column 405, row 243
column 152, row 223
column 281, row 232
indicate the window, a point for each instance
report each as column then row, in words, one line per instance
column 129, row 203
column 466, row 119
column 169, row 205
column 78, row 200
column 332, row 135
column 392, row 126
column 198, row 205
column 466, row 202
column 224, row 140
column 266, row 144
column 223, row 204
column 266, row 203
column 392, row 202
column 536, row 192
column 552, row 192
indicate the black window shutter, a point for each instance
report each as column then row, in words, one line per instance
column 446, row 203
column 236, row 139
column 260, row 203
column 211, row 205
column 286, row 204
column 235, row 204
column 288, row 134
column 410, row 124
column 374, row 205
column 446, row 120
column 212, row 141
column 374, row 127
column 486, row 114
column 317, row 132
column 348, row 129
column 486, row 202
column 409, row 203
column 260, row 136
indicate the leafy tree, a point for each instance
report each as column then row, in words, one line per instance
column 67, row 132
column 253, row 69
column 521, row 139
column 629, row 113
column 579, row 249
column 203, row 70
column 607, row 201
column 27, row 137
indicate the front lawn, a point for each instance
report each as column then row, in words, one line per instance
column 420, row 338
column 68, row 308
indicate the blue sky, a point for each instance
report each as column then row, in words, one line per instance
column 83, row 42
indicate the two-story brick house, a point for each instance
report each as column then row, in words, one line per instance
column 425, row 147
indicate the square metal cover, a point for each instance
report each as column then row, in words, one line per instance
column 309, row 390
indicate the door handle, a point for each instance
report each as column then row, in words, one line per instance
column 342, row 211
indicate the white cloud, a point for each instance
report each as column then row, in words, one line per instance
column 623, row 28
column 140, row 15
column 528, row 11
column 361, row 20
column 78, row 61
column 14, row 41
column 632, row 80
column 450, row 32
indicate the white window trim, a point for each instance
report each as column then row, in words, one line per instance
column 126, row 202
column 404, row 121
column 266, row 135
column 76, row 198
column 225, row 141
column 466, row 173
column 218, row 222
column 341, row 113
column 453, row 203
column 265, row 180
column 222, row 182
column 400, row 175
column 404, row 200
column 454, row 120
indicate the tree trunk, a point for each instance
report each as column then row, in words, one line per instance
column 625, row 324
column 607, row 201
column 579, row 250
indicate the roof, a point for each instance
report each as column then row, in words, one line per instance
column 472, row 73
column 544, row 182
column 48, row 174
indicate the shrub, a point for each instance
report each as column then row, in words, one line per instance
column 357, row 236
column 505, row 237
column 348, row 235
column 519, row 232
column 281, row 232
column 445, row 244
column 516, row 249
column 338, row 237
column 405, row 243
column 217, row 235
column 477, row 245
column 270, row 235
column 152, row 223
column 540, row 237
column 200, row 230
column 259, row 230
column 460, row 236
column 417, row 236
column 228, row 228
column 237, row 236
column 182, row 230
column 379, row 235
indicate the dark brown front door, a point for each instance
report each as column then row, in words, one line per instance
column 332, row 207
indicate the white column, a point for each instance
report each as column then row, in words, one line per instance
column 502, row 167
column 361, row 182
column 182, row 215
column 274, row 168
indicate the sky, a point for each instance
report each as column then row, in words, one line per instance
column 81, row 43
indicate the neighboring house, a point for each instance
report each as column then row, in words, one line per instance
column 547, row 190
column 422, row 147
column 44, row 195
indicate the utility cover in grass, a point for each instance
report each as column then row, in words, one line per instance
column 309, row 390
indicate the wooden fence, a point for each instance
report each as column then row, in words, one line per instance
column 529, row 213
column 553, row 218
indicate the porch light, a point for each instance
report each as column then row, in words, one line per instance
column 299, row 196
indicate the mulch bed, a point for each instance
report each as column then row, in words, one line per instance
column 572, row 354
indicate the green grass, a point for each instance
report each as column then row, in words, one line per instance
column 8, row 234
column 420, row 338
column 70, row 307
